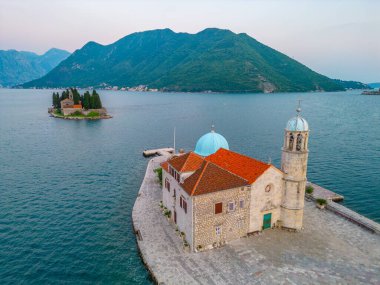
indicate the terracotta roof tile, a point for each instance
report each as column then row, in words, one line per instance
column 241, row 165
column 186, row 162
column 165, row 166
column 211, row 178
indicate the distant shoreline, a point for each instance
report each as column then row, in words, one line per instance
column 196, row 92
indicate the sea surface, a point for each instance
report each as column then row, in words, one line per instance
column 67, row 188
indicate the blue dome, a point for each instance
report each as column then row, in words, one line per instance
column 210, row 143
column 297, row 124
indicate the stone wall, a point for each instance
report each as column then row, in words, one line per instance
column 69, row 111
column 233, row 224
column 266, row 195
column 101, row 111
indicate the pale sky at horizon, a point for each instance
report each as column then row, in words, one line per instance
column 338, row 38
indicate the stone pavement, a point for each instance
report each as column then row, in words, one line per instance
column 330, row 250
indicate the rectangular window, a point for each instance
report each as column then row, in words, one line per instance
column 183, row 204
column 241, row 203
column 167, row 184
column 218, row 208
column 218, row 230
column 231, row 206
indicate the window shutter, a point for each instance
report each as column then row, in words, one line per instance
column 218, row 208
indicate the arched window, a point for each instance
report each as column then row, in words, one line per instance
column 304, row 142
column 291, row 140
column 299, row 142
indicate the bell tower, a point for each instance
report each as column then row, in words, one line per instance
column 294, row 164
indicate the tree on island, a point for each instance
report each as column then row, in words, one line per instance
column 95, row 100
column 64, row 95
column 56, row 101
column 88, row 101
column 76, row 95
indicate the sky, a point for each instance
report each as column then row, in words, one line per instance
column 338, row 38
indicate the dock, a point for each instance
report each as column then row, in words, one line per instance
column 323, row 193
column 159, row 151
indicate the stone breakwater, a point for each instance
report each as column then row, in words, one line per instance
column 329, row 250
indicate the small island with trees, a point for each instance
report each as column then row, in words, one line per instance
column 73, row 106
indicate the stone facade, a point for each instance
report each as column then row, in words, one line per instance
column 266, row 198
column 67, row 103
column 213, row 230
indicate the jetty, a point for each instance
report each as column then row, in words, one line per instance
column 331, row 249
column 323, row 193
column 159, row 151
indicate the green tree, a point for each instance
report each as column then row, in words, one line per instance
column 54, row 100
column 57, row 101
column 97, row 103
column 64, row 95
column 92, row 102
column 76, row 95
column 87, row 100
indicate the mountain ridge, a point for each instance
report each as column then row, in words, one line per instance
column 210, row 60
column 17, row 67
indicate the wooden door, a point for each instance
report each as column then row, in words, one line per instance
column 267, row 221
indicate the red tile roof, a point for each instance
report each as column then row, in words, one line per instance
column 165, row 166
column 186, row 162
column 211, row 178
column 79, row 106
column 244, row 166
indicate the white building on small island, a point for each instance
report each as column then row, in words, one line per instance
column 216, row 195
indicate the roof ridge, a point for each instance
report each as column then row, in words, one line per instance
column 226, row 170
column 246, row 156
column 199, row 179
column 187, row 159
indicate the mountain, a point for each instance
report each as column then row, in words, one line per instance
column 352, row 84
column 213, row 59
column 374, row 85
column 17, row 67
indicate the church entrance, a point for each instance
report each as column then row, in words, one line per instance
column 267, row 222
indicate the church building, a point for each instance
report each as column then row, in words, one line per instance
column 217, row 195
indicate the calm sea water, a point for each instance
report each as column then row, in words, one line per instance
column 67, row 188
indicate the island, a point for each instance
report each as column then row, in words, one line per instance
column 215, row 216
column 73, row 106
column 371, row 92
